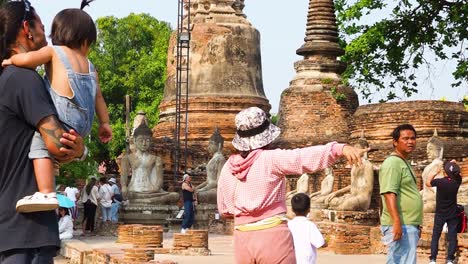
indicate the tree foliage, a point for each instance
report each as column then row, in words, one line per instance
column 130, row 56
column 383, row 54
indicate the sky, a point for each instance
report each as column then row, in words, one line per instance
column 282, row 29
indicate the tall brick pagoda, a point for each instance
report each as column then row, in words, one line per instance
column 316, row 107
column 225, row 75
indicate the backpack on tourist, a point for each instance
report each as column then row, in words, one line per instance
column 462, row 219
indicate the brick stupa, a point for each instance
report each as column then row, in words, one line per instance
column 225, row 76
column 316, row 107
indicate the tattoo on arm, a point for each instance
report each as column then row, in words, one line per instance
column 51, row 131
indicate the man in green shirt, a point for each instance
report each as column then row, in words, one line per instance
column 402, row 204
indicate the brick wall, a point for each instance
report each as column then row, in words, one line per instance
column 378, row 121
column 314, row 117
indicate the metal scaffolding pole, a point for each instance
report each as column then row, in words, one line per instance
column 182, row 84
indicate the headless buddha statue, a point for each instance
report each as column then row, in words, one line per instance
column 326, row 187
column 302, row 186
column 357, row 196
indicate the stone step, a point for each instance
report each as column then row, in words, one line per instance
column 76, row 251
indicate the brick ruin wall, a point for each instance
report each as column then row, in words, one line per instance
column 310, row 118
column 378, row 120
column 451, row 121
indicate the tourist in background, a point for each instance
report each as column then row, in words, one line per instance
column 402, row 212
column 73, row 194
column 65, row 224
column 60, row 188
column 252, row 186
column 89, row 198
column 187, row 194
column 116, row 200
column 446, row 209
column 306, row 236
column 25, row 107
column 105, row 199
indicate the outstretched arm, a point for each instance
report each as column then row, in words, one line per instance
column 314, row 158
column 31, row 59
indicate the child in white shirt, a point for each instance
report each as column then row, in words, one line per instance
column 307, row 238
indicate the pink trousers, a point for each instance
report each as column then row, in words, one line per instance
column 268, row 246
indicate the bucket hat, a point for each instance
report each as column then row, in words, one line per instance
column 254, row 130
column 112, row 180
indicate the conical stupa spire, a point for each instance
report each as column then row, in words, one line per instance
column 311, row 97
column 321, row 31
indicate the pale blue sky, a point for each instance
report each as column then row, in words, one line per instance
column 282, row 28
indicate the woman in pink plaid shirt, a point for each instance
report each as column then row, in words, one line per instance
column 251, row 187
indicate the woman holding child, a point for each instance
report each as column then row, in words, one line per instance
column 252, row 189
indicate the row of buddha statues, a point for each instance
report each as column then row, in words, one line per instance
column 357, row 196
column 146, row 170
column 354, row 197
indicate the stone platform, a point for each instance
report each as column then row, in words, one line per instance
column 147, row 214
column 349, row 232
column 205, row 218
column 105, row 250
column 203, row 214
column 367, row 218
column 136, row 248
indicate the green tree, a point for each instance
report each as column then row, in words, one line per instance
column 130, row 56
column 382, row 55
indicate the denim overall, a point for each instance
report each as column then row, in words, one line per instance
column 76, row 112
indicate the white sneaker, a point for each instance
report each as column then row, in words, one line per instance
column 432, row 262
column 183, row 231
column 37, row 202
column 448, row 262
